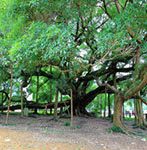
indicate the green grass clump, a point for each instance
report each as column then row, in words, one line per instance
column 128, row 119
column 9, row 124
column 115, row 129
column 67, row 124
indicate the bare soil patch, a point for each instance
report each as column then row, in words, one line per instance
column 42, row 133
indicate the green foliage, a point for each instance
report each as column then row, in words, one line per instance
column 128, row 119
column 115, row 129
column 67, row 123
column 64, row 34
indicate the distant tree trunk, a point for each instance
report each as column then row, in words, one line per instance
column 51, row 96
column 56, row 105
column 101, row 105
column 105, row 99
column 37, row 91
column 22, row 100
column 2, row 101
column 71, row 124
column 98, row 105
column 61, row 108
column 109, row 106
column 10, row 97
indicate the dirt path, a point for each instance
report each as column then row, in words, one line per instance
column 42, row 133
column 17, row 140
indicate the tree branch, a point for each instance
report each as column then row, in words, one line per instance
column 117, row 5
column 133, row 90
column 142, row 99
column 105, row 9
column 125, row 4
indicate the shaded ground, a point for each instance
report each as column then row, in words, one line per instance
column 42, row 133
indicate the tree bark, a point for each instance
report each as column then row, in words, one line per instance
column 139, row 119
column 117, row 117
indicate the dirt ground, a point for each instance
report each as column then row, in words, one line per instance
column 43, row 133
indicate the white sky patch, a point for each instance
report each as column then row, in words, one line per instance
column 118, row 74
column 82, row 53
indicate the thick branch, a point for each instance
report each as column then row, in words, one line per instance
column 87, row 98
column 141, row 98
column 133, row 90
column 32, row 105
column 103, row 71
column 110, row 87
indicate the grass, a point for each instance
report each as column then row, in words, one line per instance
column 115, row 129
column 67, row 123
column 9, row 124
column 128, row 119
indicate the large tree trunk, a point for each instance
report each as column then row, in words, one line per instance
column 75, row 102
column 79, row 107
column 139, row 119
column 118, row 116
